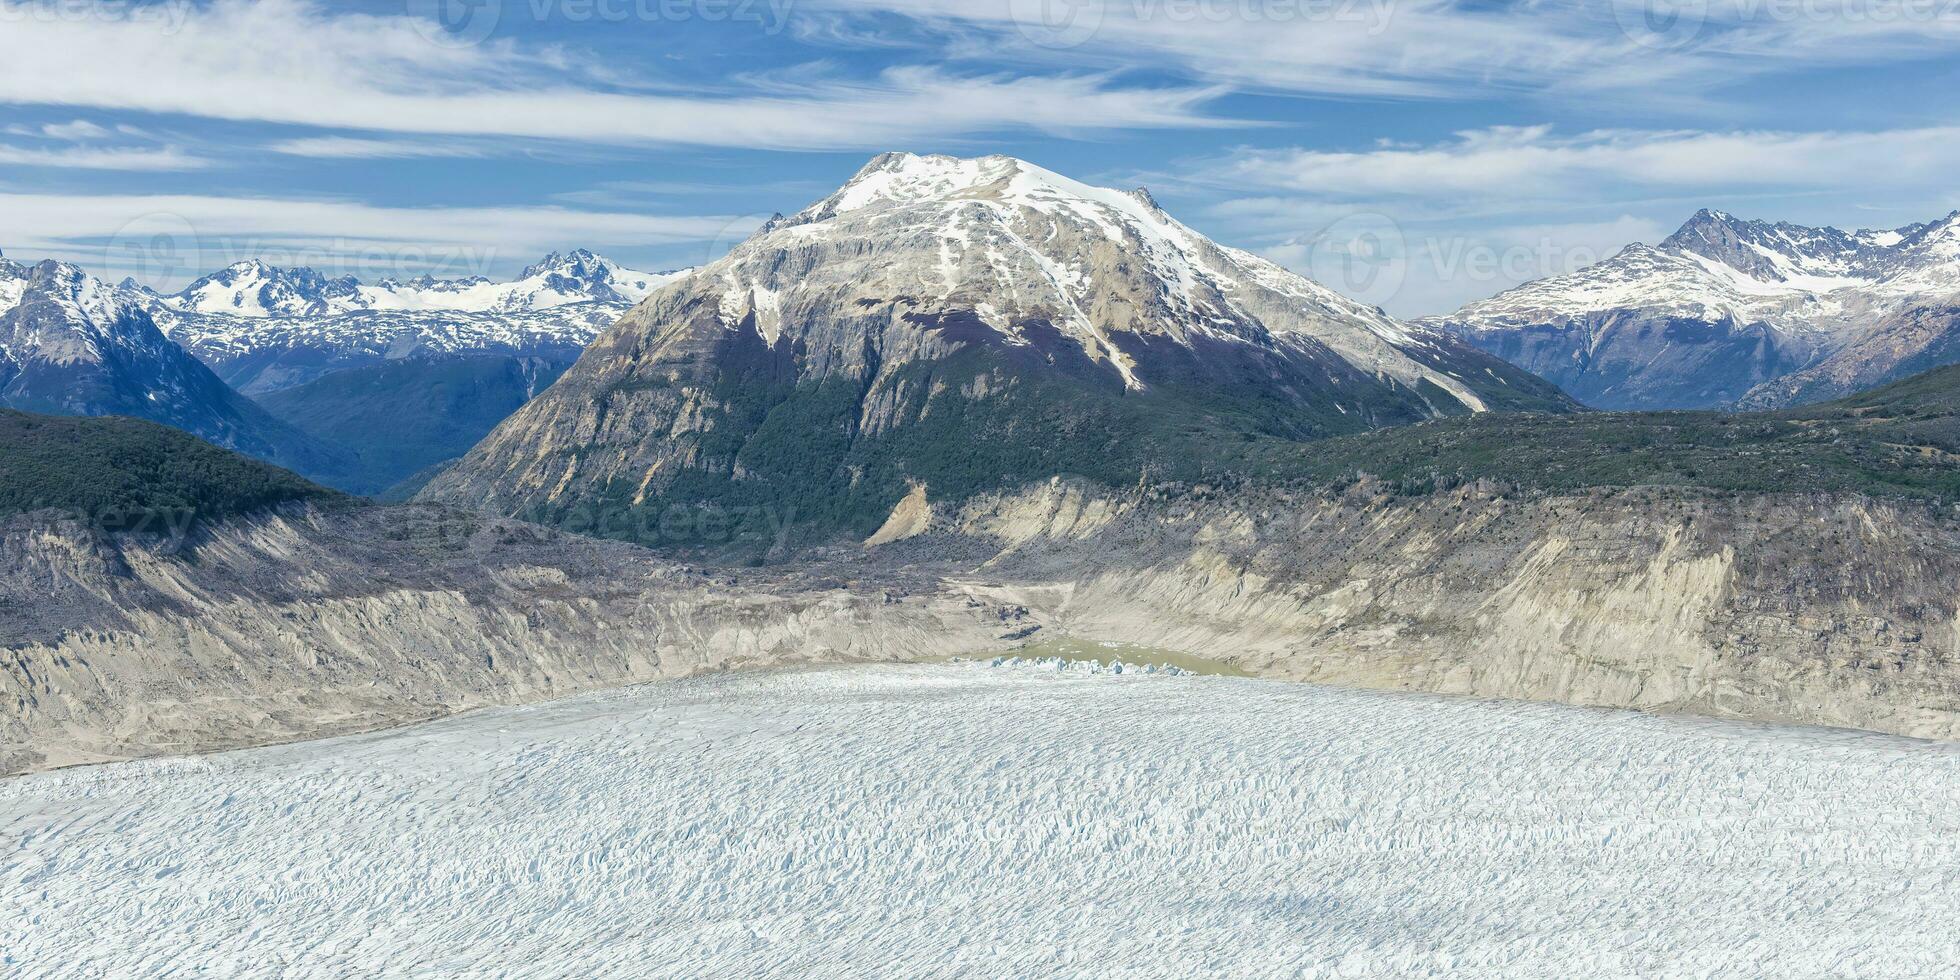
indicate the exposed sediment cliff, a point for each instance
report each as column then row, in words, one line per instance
column 1815, row 609
column 1835, row 610
column 313, row 623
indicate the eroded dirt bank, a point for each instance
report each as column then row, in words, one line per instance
column 1836, row 611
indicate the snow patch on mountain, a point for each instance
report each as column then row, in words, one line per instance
column 57, row 313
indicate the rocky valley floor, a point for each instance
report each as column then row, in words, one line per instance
column 972, row 819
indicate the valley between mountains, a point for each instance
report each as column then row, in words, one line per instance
column 962, row 407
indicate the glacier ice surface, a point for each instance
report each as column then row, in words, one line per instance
column 999, row 819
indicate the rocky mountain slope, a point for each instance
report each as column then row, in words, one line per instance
column 1730, row 312
column 963, row 324
column 73, row 345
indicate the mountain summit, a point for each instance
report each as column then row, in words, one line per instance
column 961, row 323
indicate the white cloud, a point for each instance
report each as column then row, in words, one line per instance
column 384, row 73
column 1448, row 48
column 356, row 148
column 1533, row 163
column 78, row 131
column 101, row 158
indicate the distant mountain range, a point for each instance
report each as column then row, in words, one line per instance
column 358, row 386
column 264, row 328
column 1734, row 313
column 70, row 345
column 958, row 324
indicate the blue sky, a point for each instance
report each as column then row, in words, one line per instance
column 1414, row 153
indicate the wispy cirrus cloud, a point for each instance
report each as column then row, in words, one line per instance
column 360, row 148
column 1442, row 48
column 349, row 71
column 76, row 131
column 83, row 144
column 1535, row 162
column 102, row 158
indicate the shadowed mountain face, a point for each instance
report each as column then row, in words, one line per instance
column 1731, row 313
column 70, row 345
column 964, row 324
column 400, row 417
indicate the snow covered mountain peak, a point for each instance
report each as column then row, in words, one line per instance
column 252, row 288
column 80, row 298
column 1719, row 311
column 579, row 263
column 1721, row 268
column 901, row 179
column 940, row 320
column 1025, row 251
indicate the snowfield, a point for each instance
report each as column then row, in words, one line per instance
column 1008, row 819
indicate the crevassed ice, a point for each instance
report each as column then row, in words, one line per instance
column 1023, row 821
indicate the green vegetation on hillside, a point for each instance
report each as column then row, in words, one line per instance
column 798, row 459
column 128, row 474
column 782, row 453
column 1902, row 440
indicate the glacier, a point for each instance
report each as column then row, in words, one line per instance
column 1000, row 818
